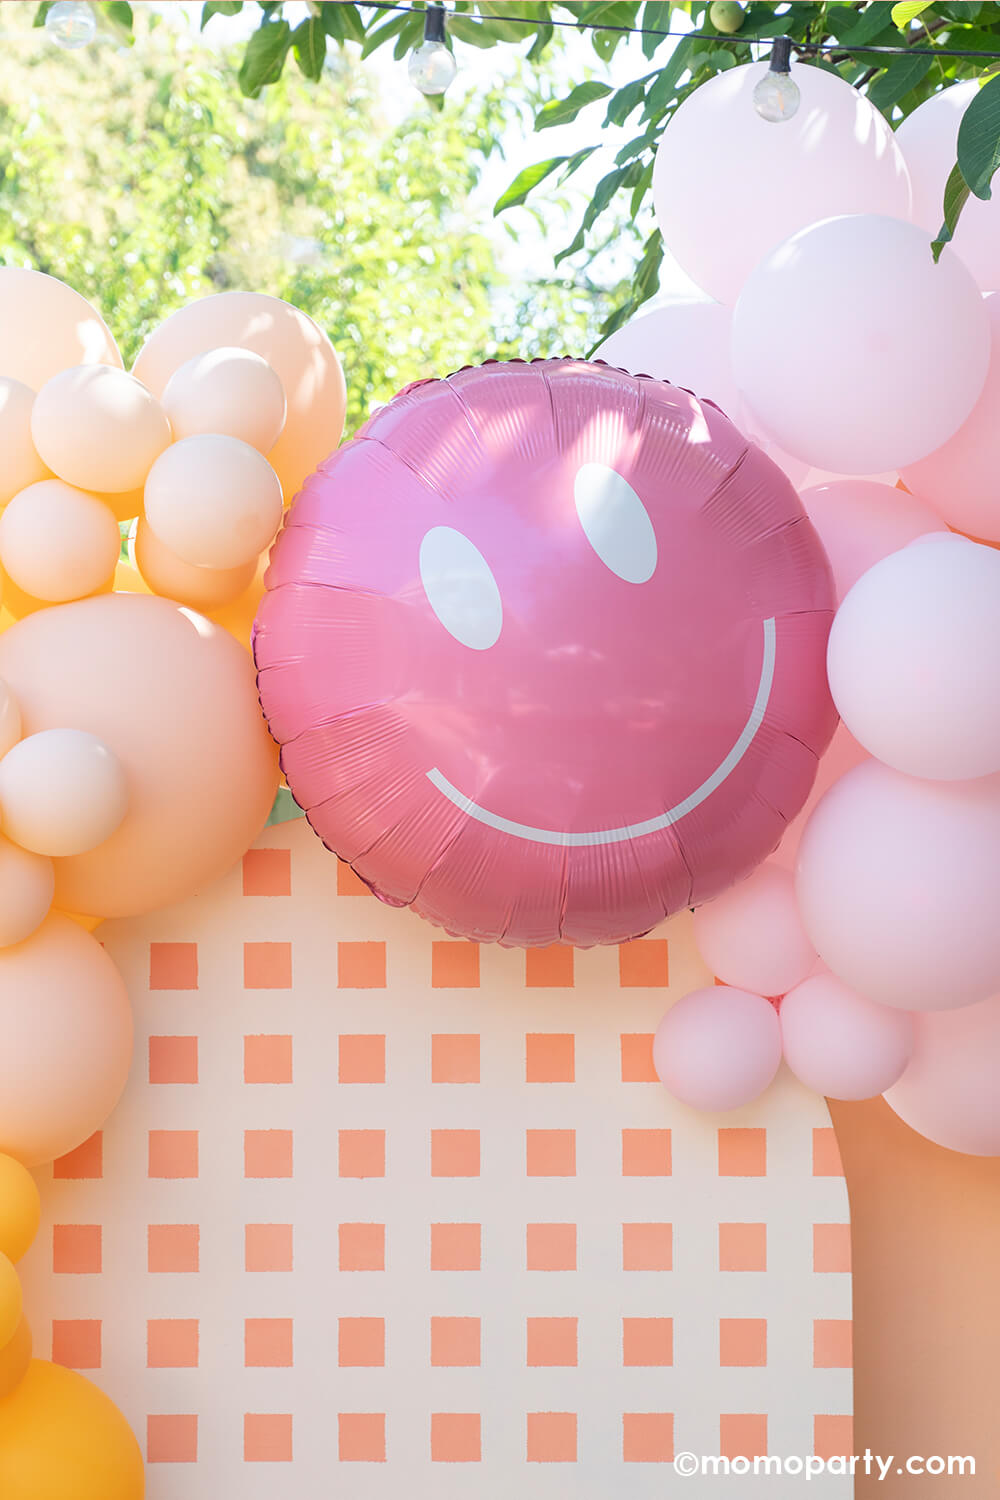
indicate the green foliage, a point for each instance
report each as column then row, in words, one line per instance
column 896, row 84
column 144, row 179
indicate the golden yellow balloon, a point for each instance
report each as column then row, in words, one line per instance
column 11, row 1301
column 62, row 1439
column 15, row 1357
column 20, row 1208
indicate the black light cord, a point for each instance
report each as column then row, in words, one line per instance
column 764, row 41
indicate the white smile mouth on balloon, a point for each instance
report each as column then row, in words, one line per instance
column 652, row 825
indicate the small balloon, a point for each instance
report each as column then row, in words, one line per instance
column 15, row 1357
column 752, row 935
column 27, row 885
column 841, row 1044
column 20, row 464
column 718, row 1049
column 10, row 1299
column 213, row 501
column 10, row 719
column 61, row 1437
column 232, row 391
column 171, row 576
column 20, row 1208
column 58, row 543
column 98, row 428
column 860, row 522
column 62, row 792
column 949, row 1090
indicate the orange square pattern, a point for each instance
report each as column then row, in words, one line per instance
column 348, row 883
column 456, row 1247
column 637, row 1057
column 647, row 1341
column 646, row 1153
column 173, row 1153
column 267, row 1059
column 551, row 1247
column 549, row 968
column 268, row 1247
column 172, row 1248
column 742, row 1247
column 361, row 1058
column 361, row 966
column 76, row 1249
column 826, row 1153
column 643, row 964
column 647, row 1247
column 267, row 1438
column 361, row 1153
column 173, row 966
column 833, row 1436
column 76, row 1343
column 551, row 1437
column 831, row 1247
column 362, row 1247
column 455, row 1058
column 172, row 1439
column 550, row 1153
column 267, row 966
column 173, row 1059
column 743, row 1153
column 172, row 1343
column 454, row 1153
column 267, row 1153
column 648, row 1437
column 361, row 1341
column 454, row 966
column 551, row 1341
column 86, row 1161
column 549, row 1057
column 456, row 1437
column 743, row 1342
column 267, row 1343
column 455, row 1341
column 267, row 872
column 361, row 1434
column 742, row 1435
column 832, row 1343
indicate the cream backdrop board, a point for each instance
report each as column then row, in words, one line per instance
column 383, row 1213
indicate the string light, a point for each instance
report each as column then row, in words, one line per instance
column 776, row 96
column 71, row 24
column 431, row 66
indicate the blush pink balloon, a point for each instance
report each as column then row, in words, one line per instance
column 718, row 1049
column 897, row 882
column 860, row 522
column 543, row 648
column 959, row 479
column 752, row 935
column 840, row 1043
column 949, row 1091
column 843, row 754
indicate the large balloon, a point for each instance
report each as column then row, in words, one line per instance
column 543, row 648
column 62, row 1439
column 874, row 386
column 949, row 1091
column 860, row 522
column 841, row 756
column 752, row 935
column 293, row 345
column 65, row 1041
column 45, row 326
column 172, row 695
column 841, row 1044
column 959, row 478
column 728, row 185
column 928, row 139
column 897, row 882
column 98, row 428
column 20, row 464
column 914, row 659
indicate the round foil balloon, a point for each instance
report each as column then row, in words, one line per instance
column 544, row 650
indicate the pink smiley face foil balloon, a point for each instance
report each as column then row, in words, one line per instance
column 544, row 649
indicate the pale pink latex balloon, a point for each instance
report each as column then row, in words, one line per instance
column 171, row 576
column 227, row 390
column 213, row 501
column 65, row 1041
column 914, row 659
column 840, row 1043
column 897, row 882
column 860, row 522
column 928, row 139
column 20, row 464
column 58, row 542
column 960, row 478
column 98, row 428
column 728, row 185
column 27, row 885
column 752, row 935
column 949, row 1091
column 294, row 346
column 45, row 326
column 843, row 754
column 173, row 696
column 873, row 387
column 62, row 791
column 718, row 1048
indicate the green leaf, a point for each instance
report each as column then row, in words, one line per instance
column 529, row 179
column 283, row 809
column 865, row 25
column 655, row 17
column 956, row 193
column 119, row 13
column 219, row 8
column 907, row 11
column 483, row 33
column 626, row 100
column 902, row 74
column 42, row 11
column 264, row 57
column 561, row 111
column 410, row 37
column 380, row 34
column 979, row 139
column 664, row 86
column 343, row 21
column 309, row 41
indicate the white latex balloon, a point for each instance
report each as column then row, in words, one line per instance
column 10, row 719
column 228, row 390
column 928, row 139
column 214, row 501
column 894, row 365
column 62, row 791
column 27, row 885
column 728, row 186
column 58, row 543
column 914, row 659
column 897, row 882
column 20, row 464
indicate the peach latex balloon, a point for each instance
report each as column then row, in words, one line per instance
column 15, row 1357
column 65, row 1041
column 239, row 616
column 62, row 791
column 213, row 501
column 227, row 390
column 20, row 464
column 294, row 346
column 47, row 326
column 27, row 885
column 57, row 542
column 171, row 576
column 98, row 428
column 20, row 1207
column 10, row 719
column 175, row 698
column 62, row 1439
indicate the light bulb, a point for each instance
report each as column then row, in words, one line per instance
column 776, row 96
column 71, row 24
column 431, row 67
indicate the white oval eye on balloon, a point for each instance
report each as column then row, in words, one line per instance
column 615, row 522
column 460, row 588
